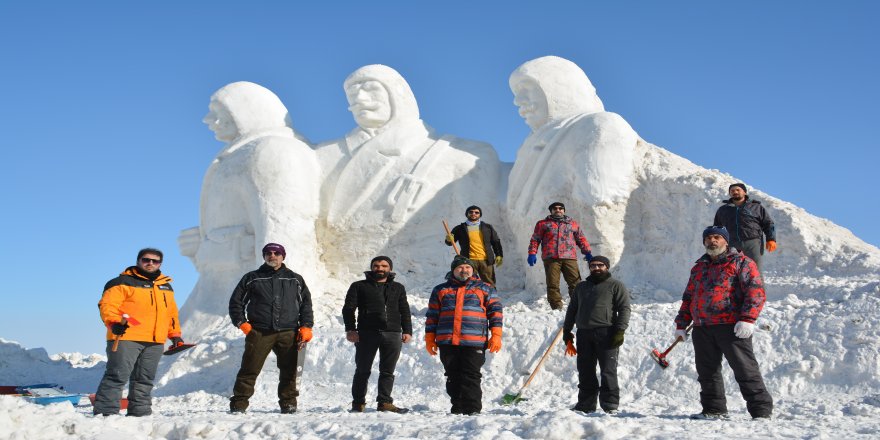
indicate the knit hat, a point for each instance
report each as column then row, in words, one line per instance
column 277, row 248
column 601, row 259
column 741, row 185
column 555, row 204
column 382, row 258
column 718, row 230
column 459, row 260
column 469, row 208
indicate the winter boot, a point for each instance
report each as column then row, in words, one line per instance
column 710, row 416
column 290, row 409
column 389, row 407
column 358, row 407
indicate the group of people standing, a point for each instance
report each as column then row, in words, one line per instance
column 272, row 306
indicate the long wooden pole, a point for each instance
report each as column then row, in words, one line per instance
column 541, row 362
column 454, row 247
column 116, row 339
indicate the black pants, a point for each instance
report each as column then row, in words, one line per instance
column 710, row 343
column 462, row 365
column 594, row 347
column 388, row 344
column 258, row 344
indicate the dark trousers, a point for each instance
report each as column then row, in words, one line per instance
column 462, row 365
column 710, row 343
column 388, row 345
column 753, row 249
column 485, row 270
column 571, row 273
column 257, row 346
column 133, row 362
column 594, row 347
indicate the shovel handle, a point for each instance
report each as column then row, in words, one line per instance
column 541, row 362
column 677, row 340
column 116, row 338
column 454, row 247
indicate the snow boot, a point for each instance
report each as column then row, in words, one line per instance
column 583, row 408
column 389, row 407
column 710, row 416
column 288, row 409
column 357, row 407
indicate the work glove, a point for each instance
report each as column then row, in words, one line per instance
column 532, row 259
column 245, row 328
column 569, row 348
column 567, row 336
column 681, row 333
column 498, row 261
column 771, row 245
column 495, row 341
column 588, row 256
column 352, row 336
column 450, row 239
column 305, row 335
column 176, row 341
column 118, row 328
column 617, row 339
column 744, row 330
column 431, row 344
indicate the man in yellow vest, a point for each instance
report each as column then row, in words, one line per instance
column 479, row 243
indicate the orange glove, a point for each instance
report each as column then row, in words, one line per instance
column 305, row 334
column 569, row 348
column 495, row 340
column 245, row 328
column 771, row 245
column 431, row 344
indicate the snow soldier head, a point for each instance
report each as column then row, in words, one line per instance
column 379, row 96
column 243, row 108
column 551, row 88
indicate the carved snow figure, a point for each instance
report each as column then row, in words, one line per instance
column 262, row 187
column 389, row 181
column 577, row 154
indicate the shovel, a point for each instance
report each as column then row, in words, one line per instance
column 661, row 357
column 510, row 399
column 125, row 320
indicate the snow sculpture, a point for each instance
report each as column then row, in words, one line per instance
column 262, row 187
column 389, row 181
column 577, row 154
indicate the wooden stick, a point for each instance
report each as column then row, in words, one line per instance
column 543, row 358
column 116, row 339
column 454, row 247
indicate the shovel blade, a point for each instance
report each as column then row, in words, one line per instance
column 512, row 399
column 659, row 358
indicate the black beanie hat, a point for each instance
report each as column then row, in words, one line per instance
column 601, row 259
column 717, row 230
column 554, row 204
column 275, row 247
column 382, row 258
column 459, row 260
column 741, row 185
column 469, row 208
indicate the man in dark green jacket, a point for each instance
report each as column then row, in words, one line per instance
column 600, row 307
column 383, row 323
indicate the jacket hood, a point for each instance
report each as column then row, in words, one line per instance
column 566, row 87
column 403, row 101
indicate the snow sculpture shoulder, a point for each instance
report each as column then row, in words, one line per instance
column 391, row 178
column 262, row 187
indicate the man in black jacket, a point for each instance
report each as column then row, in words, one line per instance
column 384, row 322
column 272, row 306
column 745, row 220
column 479, row 243
column 601, row 307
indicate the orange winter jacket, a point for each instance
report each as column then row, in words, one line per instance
column 151, row 303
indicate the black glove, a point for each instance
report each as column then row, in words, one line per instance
column 118, row 328
column 567, row 336
column 617, row 339
column 176, row 340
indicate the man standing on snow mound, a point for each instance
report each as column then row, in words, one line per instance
column 140, row 313
column 600, row 306
column 272, row 306
column 746, row 220
column 479, row 243
column 723, row 298
column 384, row 322
column 459, row 313
column 559, row 237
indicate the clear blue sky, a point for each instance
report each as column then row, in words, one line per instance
column 104, row 149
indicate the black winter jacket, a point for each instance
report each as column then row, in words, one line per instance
column 272, row 300
column 491, row 242
column 380, row 306
column 598, row 303
column 745, row 222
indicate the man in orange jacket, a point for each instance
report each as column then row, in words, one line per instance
column 139, row 311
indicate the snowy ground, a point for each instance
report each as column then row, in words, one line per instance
column 818, row 352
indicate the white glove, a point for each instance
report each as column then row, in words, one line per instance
column 681, row 333
column 744, row 329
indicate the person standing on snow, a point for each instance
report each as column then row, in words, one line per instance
column 723, row 298
column 461, row 312
column 383, row 323
column 559, row 237
column 272, row 306
column 746, row 220
column 479, row 243
column 601, row 307
column 145, row 295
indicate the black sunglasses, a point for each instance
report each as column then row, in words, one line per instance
column 146, row 260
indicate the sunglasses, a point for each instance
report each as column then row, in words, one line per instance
column 146, row 260
column 597, row 265
column 271, row 253
column 474, row 212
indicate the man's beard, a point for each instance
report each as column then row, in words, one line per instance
column 380, row 274
column 716, row 250
column 460, row 277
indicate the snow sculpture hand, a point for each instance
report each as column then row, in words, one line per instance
column 744, row 330
column 533, row 259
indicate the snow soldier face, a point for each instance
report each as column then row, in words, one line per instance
column 551, row 88
column 243, row 108
column 378, row 96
